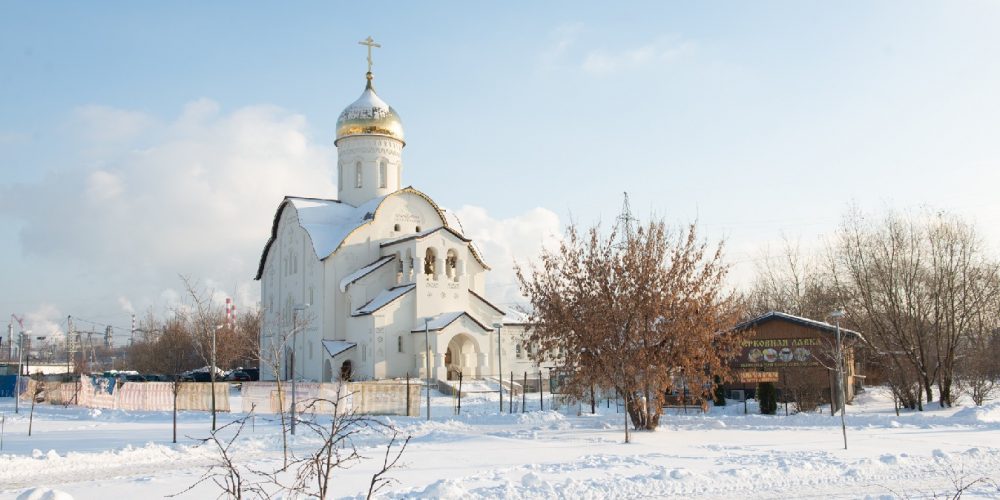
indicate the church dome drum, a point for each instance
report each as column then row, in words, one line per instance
column 369, row 115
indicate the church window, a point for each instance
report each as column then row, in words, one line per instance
column 519, row 350
column 311, row 296
column 450, row 264
column 429, row 259
column 364, row 352
column 417, row 229
column 357, row 174
column 310, row 350
column 383, row 172
column 411, row 266
column 399, row 268
column 396, row 228
column 399, row 343
column 340, row 176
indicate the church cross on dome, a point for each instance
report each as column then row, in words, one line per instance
column 370, row 42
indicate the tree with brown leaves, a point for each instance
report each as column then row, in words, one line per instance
column 637, row 313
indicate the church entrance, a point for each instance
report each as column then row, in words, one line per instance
column 462, row 356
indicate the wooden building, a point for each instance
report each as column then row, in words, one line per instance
column 797, row 354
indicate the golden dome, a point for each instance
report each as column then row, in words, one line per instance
column 369, row 115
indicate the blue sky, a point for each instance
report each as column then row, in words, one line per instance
column 762, row 120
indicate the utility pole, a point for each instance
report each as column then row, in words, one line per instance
column 216, row 329
column 427, row 359
column 70, row 345
column 840, row 376
column 17, row 379
column 498, row 326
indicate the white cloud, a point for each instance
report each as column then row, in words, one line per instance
column 193, row 196
column 504, row 242
column 102, row 124
column 561, row 40
column 660, row 51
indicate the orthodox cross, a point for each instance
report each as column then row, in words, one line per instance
column 369, row 42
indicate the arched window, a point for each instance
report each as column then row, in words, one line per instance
column 383, row 173
column 430, row 257
column 357, row 174
column 399, row 343
column 450, row 265
column 395, row 228
column 340, row 176
column 400, row 267
column 410, row 266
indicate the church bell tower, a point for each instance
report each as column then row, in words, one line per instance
column 369, row 145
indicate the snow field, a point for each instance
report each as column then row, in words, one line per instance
column 83, row 453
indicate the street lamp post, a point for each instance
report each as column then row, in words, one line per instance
column 836, row 315
column 427, row 363
column 499, row 326
column 295, row 324
column 214, row 332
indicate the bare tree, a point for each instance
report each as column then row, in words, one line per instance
column 635, row 313
column 918, row 286
column 964, row 289
column 274, row 344
column 882, row 268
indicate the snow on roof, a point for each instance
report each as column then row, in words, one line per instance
column 421, row 234
column 335, row 347
column 453, row 220
column 441, row 321
column 364, row 271
column 821, row 325
column 383, row 299
column 328, row 222
column 514, row 317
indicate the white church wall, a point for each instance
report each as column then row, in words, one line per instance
column 369, row 152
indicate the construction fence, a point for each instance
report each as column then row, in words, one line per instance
column 387, row 397
column 107, row 393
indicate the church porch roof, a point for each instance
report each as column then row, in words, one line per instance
column 384, row 298
column 335, row 347
column 364, row 271
column 441, row 321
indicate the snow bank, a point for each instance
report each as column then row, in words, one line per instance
column 987, row 414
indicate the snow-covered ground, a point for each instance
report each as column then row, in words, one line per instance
column 540, row 454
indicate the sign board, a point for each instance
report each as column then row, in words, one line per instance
column 756, row 377
column 774, row 354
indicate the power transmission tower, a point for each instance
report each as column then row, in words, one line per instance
column 626, row 221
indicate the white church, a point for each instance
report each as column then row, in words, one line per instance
column 353, row 285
